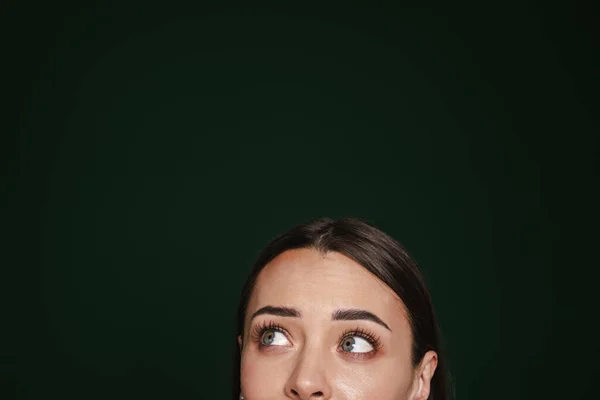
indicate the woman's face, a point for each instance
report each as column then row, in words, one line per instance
column 323, row 327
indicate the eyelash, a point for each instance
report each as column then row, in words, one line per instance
column 364, row 334
column 259, row 330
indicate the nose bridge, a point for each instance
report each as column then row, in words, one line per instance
column 309, row 380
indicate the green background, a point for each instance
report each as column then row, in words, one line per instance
column 149, row 151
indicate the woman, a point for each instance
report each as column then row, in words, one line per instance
column 337, row 310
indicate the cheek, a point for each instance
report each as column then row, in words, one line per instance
column 384, row 380
column 261, row 379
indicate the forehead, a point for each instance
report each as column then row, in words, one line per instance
column 316, row 282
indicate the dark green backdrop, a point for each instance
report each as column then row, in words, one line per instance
column 150, row 150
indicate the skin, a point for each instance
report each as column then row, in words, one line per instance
column 308, row 361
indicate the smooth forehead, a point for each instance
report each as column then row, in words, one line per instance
column 309, row 279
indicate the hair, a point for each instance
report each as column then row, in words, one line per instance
column 379, row 254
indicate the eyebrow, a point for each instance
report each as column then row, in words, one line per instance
column 278, row 311
column 353, row 314
column 349, row 314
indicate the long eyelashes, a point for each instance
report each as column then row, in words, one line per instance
column 259, row 330
column 365, row 334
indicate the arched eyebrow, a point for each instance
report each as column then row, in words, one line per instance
column 278, row 311
column 348, row 314
column 354, row 314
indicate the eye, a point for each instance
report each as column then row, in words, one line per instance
column 356, row 344
column 272, row 337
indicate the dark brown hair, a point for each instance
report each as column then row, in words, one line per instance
column 379, row 254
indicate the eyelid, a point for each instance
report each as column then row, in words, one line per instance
column 364, row 334
column 259, row 329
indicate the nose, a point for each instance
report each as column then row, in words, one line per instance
column 308, row 380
